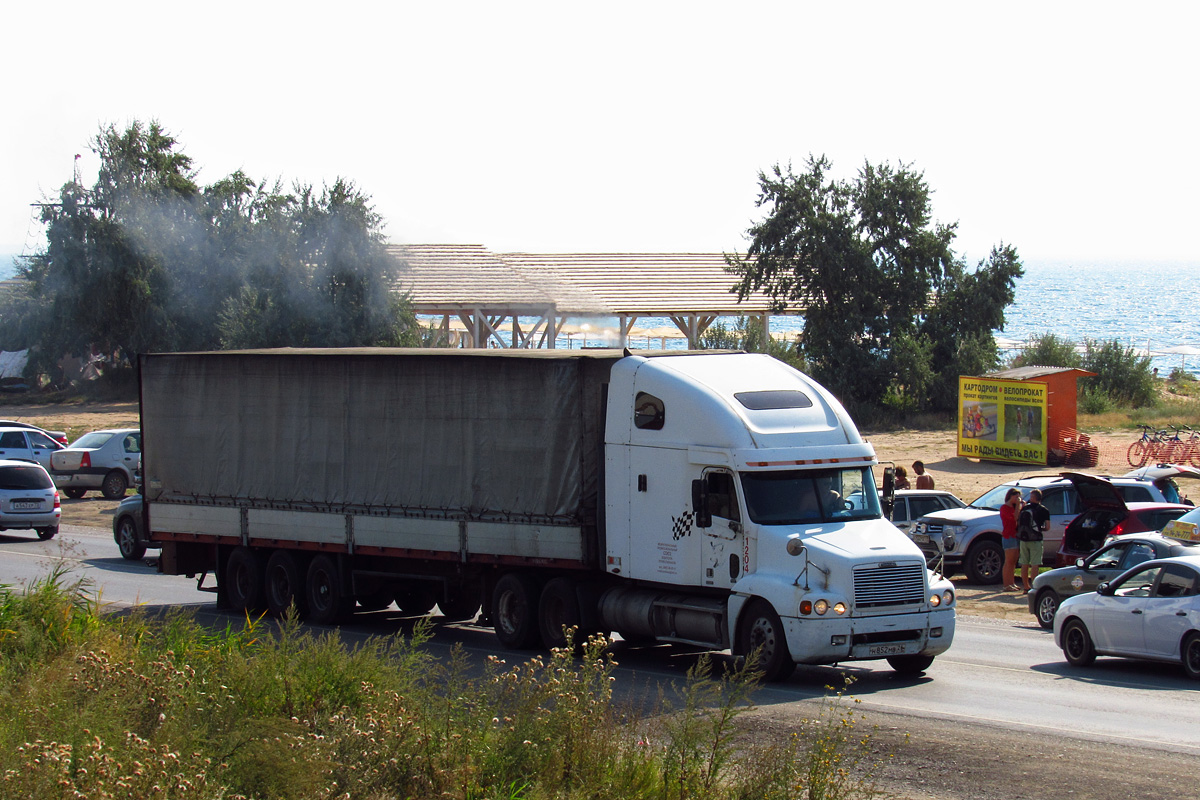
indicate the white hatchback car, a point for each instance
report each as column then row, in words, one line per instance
column 1151, row 611
column 106, row 460
column 28, row 499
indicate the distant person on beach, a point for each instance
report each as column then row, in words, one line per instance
column 924, row 481
column 902, row 479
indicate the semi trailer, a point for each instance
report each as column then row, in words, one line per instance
column 722, row 500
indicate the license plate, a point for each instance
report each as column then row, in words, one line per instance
column 921, row 538
column 18, row 506
column 887, row 650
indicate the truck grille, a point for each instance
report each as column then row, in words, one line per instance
column 889, row 584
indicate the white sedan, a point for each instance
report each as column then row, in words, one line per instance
column 1151, row 611
column 106, row 460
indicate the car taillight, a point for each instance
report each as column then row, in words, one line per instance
column 57, row 501
column 62, row 440
column 86, row 461
column 1118, row 529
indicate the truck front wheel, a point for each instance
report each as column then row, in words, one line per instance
column 558, row 609
column 760, row 634
column 327, row 603
column 910, row 665
column 243, row 580
column 514, row 611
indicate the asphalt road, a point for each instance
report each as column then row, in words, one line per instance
column 1000, row 715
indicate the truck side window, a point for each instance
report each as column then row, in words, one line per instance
column 722, row 497
column 648, row 412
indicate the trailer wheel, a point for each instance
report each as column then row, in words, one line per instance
column 327, row 602
column 284, row 585
column 514, row 611
column 243, row 580
column 761, row 631
column 559, row 609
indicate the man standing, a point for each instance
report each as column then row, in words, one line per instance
column 1033, row 523
column 923, row 481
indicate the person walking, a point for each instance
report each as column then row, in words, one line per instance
column 924, row 481
column 1031, row 525
column 1008, row 533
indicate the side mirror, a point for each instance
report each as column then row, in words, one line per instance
column 887, row 496
column 1080, row 564
column 1105, row 589
column 703, row 519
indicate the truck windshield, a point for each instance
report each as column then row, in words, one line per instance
column 796, row 496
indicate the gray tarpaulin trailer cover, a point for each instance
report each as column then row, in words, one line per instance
column 486, row 435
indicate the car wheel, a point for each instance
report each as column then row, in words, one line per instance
column 514, row 610
column 1077, row 644
column 283, row 586
column 761, row 631
column 127, row 540
column 74, row 492
column 243, row 580
column 984, row 562
column 114, row 485
column 910, row 665
column 47, row 533
column 1045, row 607
column 328, row 604
column 1191, row 655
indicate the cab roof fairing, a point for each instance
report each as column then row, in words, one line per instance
column 709, row 382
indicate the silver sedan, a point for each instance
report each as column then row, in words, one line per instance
column 1151, row 612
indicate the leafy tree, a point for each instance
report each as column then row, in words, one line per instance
column 146, row 260
column 888, row 306
column 1047, row 350
column 1121, row 373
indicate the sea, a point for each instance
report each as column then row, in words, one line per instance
column 1150, row 307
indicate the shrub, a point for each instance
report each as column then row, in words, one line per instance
column 1047, row 350
column 1121, row 373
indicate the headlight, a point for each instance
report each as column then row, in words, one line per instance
column 947, row 597
column 839, row 608
column 935, row 600
column 821, row 606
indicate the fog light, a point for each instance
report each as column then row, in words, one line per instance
column 821, row 607
column 934, row 633
column 947, row 597
column 806, row 607
column 839, row 608
column 837, row 640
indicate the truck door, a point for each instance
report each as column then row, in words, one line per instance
column 723, row 560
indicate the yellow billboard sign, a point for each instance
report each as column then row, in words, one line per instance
column 1001, row 420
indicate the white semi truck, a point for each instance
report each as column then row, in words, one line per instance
column 720, row 500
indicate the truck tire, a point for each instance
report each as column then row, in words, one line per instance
column 460, row 604
column 243, row 580
column 514, row 611
column 558, row 609
column 284, row 585
column 761, row 630
column 984, row 562
column 127, row 541
column 328, row 602
column 114, row 485
column 910, row 665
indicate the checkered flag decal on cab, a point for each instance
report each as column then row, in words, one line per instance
column 682, row 526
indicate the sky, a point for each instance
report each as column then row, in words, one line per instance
column 1065, row 129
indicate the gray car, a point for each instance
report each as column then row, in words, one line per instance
column 968, row 539
column 107, row 460
column 28, row 499
column 1051, row 588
